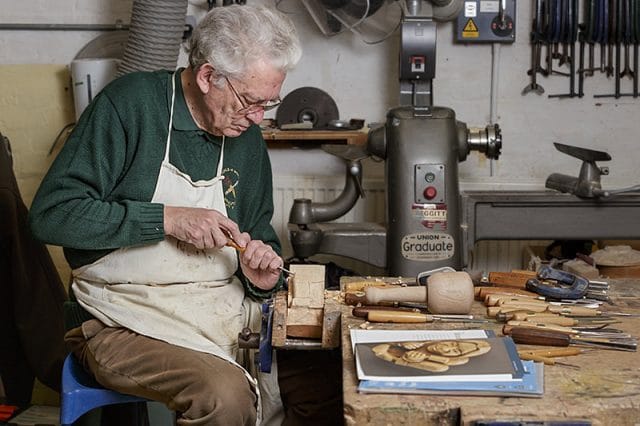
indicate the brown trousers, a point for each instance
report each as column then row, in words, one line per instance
column 202, row 388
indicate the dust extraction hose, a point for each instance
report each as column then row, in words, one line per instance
column 155, row 34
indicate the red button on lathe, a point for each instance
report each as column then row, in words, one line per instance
column 430, row 192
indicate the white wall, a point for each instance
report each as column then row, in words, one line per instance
column 362, row 79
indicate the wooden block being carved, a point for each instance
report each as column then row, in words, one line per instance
column 305, row 313
column 304, row 322
column 307, row 286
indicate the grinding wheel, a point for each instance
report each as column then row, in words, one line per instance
column 307, row 104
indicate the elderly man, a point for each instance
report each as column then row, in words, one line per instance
column 163, row 171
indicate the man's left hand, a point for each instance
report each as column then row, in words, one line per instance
column 260, row 263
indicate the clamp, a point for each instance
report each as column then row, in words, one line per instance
column 570, row 286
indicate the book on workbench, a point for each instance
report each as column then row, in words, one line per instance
column 435, row 356
column 531, row 386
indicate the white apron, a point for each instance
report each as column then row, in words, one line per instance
column 171, row 290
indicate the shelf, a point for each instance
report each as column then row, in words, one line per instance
column 286, row 138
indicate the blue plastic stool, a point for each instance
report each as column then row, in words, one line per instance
column 81, row 394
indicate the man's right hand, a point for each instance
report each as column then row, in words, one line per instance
column 203, row 228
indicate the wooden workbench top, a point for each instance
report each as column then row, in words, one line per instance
column 604, row 391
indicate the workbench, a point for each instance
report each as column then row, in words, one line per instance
column 604, row 391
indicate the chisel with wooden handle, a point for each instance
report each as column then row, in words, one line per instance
column 398, row 317
column 363, row 311
column 482, row 292
column 612, row 334
column 553, row 352
column 499, row 299
column 545, row 360
column 580, row 311
column 494, row 299
column 533, row 306
column 531, row 336
column 539, row 317
column 543, row 326
column 492, row 311
column 515, row 279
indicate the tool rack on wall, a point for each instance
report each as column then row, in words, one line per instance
column 577, row 39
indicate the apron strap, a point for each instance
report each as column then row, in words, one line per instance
column 173, row 98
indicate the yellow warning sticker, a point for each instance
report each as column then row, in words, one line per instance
column 470, row 30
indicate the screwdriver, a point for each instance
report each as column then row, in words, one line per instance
column 532, row 336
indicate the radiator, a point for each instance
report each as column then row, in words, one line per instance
column 487, row 255
column 323, row 189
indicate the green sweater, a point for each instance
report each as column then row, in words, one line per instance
column 97, row 195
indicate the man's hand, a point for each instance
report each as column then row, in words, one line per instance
column 259, row 263
column 203, row 228
column 206, row 228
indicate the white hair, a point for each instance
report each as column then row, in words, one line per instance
column 233, row 38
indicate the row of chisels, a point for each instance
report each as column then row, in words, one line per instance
column 530, row 320
column 524, row 315
column 607, row 33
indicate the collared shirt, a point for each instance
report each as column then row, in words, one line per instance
column 96, row 196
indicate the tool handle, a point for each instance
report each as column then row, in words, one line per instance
column 531, row 307
column 398, row 317
column 531, row 336
column 515, row 279
column 536, row 358
column 574, row 311
column 361, row 285
column 498, row 299
column 521, row 301
column 553, row 352
column 482, row 292
column 363, row 311
column 541, row 317
column 542, row 326
column 494, row 311
column 232, row 243
column 374, row 295
column 354, row 298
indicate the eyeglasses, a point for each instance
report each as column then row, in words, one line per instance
column 253, row 108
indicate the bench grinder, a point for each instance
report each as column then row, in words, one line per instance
column 421, row 145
